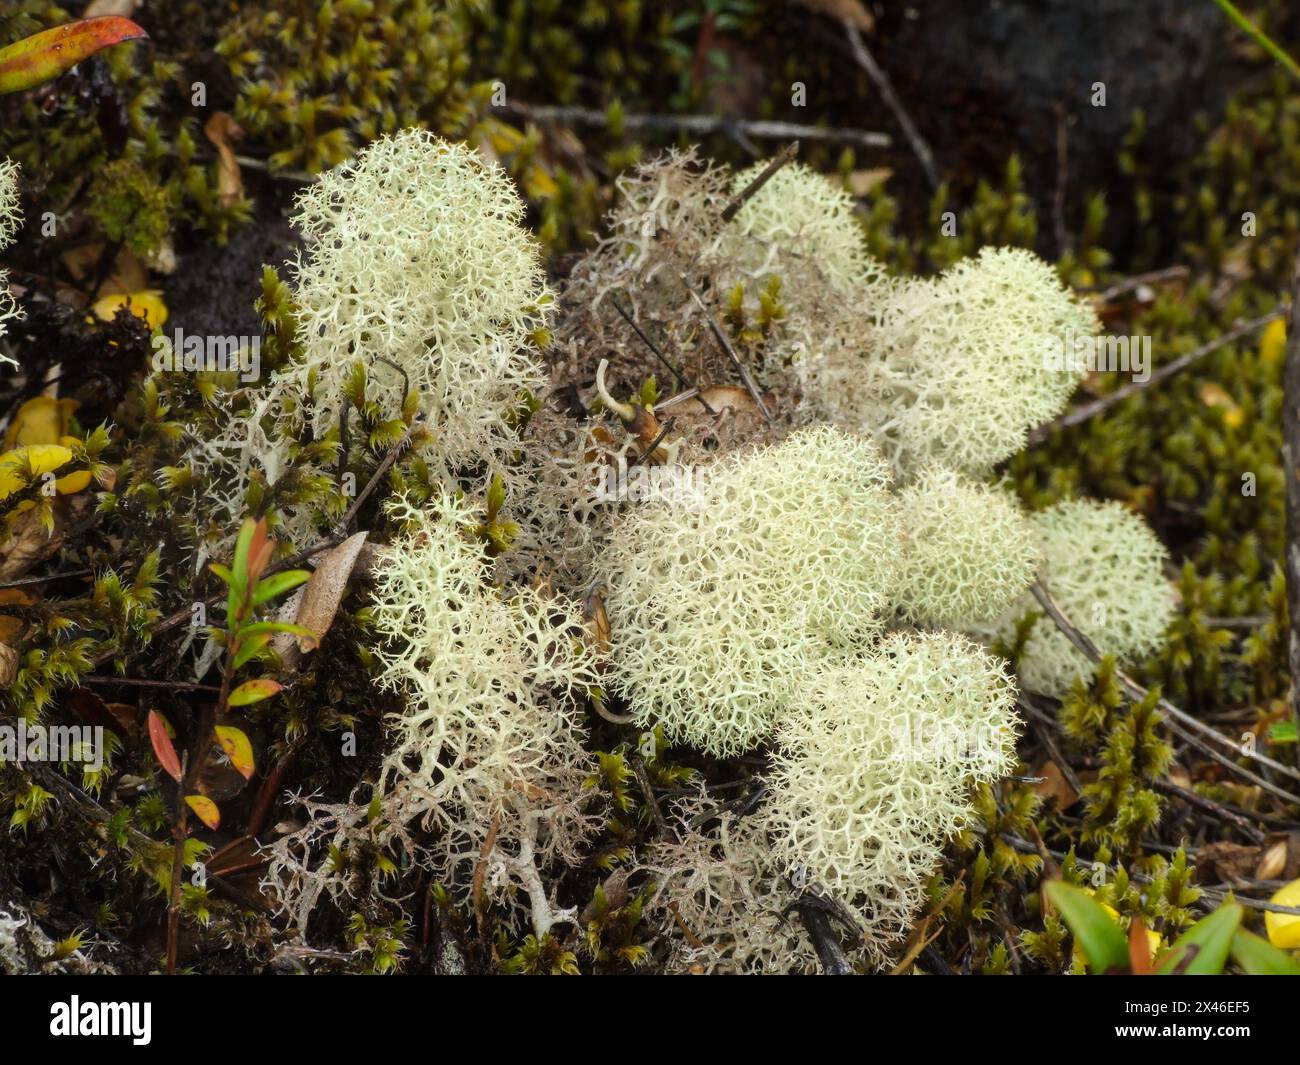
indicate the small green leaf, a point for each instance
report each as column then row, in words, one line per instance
column 1203, row 949
column 221, row 571
column 254, row 691
column 277, row 584
column 1260, row 958
column 239, row 570
column 1102, row 941
column 249, row 646
column 258, row 627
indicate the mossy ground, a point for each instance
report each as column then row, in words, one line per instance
column 116, row 154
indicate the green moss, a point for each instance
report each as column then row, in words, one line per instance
column 130, row 206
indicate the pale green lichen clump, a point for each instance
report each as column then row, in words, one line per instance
column 488, row 743
column 872, row 772
column 418, row 268
column 491, row 728
column 802, row 213
column 417, row 255
column 969, row 551
column 720, row 603
column 1104, row 567
column 960, row 368
column 10, row 220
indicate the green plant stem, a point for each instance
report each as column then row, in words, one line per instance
column 189, row 778
column 1258, row 36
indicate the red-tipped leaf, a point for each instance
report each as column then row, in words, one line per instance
column 44, row 56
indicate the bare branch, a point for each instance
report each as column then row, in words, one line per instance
column 701, row 125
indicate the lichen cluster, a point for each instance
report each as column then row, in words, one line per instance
column 874, row 772
column 722, row 598
column 10, row 219
column 487, row 745
column 558, row 725
column 1105, row 568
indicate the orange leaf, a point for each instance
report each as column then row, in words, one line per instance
column 238, row 749
column 44, row 56
column 259, row 551
column 162, row 746
column 205, row 809
column 1139, row 947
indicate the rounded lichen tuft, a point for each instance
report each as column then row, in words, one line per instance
column 721, row 600
column 969, row 551
column 803, row 212
column 873, row 772
column 418, row 264
column 958, row 369
column 490, row 683
column 1105, row 568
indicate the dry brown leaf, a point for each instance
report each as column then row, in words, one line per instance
column 316, row 603
column 1226, row 862
column 598, row 632
column 1055, row 786
column 27, row 542
column 127, row 274
column 1273, row 862
column 861, row 182
column 97, row 8
column 1289, row 844
column 223, row 131
column 8, row 665
column 724, row 397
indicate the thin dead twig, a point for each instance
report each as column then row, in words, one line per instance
column 700, row 125
column 1128, row 284
column 1182, row 723
column 1086, row 411
column 744, row 195
column 25, row 581
column 1210, row 806
column 719, row 334
column 140, row 682
column 643, row 779
column 682, row 379
column 885, row 87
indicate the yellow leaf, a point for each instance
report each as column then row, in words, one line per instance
column 205, row 809
column 503, row 137
column 1214, row 395
column 539, row 184
column 41, row 420
column 73, row 482
column 147, row 304
column 1284, row 928
column 238, row 749
column 43, row 458
column 1272, row 343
